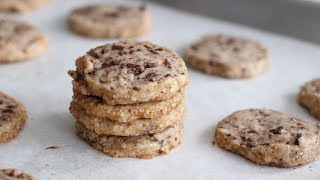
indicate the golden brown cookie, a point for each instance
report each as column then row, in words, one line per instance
column 110, row 21
column 12, row 174
column 132, row 128
column 309, row 97
column 228, row 56
column 19, row 41
column 95, row 106
column 143, row 146
column 269, row 137
column 21, row 6
column 13, row 116
column 130, row 72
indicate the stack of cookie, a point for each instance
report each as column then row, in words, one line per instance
column 129, row 99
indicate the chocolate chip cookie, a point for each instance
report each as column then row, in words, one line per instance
column 12, row 174
column 309, row 97
column 132, row 128
column 143, row 146
column 21, row 6
column 110, row 21
column 13, row 116
column 228, row 56
column 130, row 72
column 269, row 137
column 20, row 41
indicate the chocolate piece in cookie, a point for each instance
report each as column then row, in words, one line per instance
column 309, row 97
column 19, row 41
column 269, row 137
column 130, row 72
column 13, row 116
column 228, row 56
column 110, row 21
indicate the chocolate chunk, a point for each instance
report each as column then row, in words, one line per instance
column 150, row 76
column 93, row 54
column 135, row 69
column 7, row 111
column 112, row 14
column 252, row 131
column 230, row 41
column 166, row 63
column 116, row 47
column 158, row 49
column 278, row 130
column 131, row 52
column 149, row 65
column 296, row 142
column 109, row 64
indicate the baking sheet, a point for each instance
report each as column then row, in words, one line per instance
column 45, row 88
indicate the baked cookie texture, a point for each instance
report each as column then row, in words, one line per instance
column 132, row 128
column 269, row 137
column 110, row 21
column 130, row 72
column 20, row 41
column 143, row 146
column 309, row 97
column 228, row 56
column 21, row 6
column 12, row 174
column 128, row 99
column 13, row 116
column 95, row 106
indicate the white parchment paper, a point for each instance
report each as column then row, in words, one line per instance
column 45, row 88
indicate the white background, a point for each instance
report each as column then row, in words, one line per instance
column 45, row 88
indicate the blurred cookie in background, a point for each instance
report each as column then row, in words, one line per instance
column 21, row 6
column 228, row 56
column 20, row 41
column 110, row 21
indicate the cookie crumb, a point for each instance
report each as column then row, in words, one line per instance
column 52, row 147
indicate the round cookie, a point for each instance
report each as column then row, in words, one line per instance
column 12, row 174
column 20, row 41
column 110, row 21
column 309, row 97
column 143, row 146
column 124, row 113
column 13, row 116
column 269, row 137
column 130, row 72
column 132, row 128
column 21, row 6
column 228, row 56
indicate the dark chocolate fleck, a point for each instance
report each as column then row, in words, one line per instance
column 116, row 47
column 296, row 142
column 135, row 69
column 93, row 54
column 278, row 130
column 150, row 76
column 166, row 63
column 149, row 65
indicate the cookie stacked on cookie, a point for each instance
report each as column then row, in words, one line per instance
column 129, row 99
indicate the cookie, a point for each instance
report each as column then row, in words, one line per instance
column 21, row 6
column 110, row 21
column 132, row 128
column 228, row 56
column 269, row 137
column 19, row 41
column 309, row 97
column 13, row 116
column 95, row 106
column 130, row 72
column 12, row 174
column 143, row 146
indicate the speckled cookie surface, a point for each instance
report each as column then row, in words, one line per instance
column 12, row 174
column 269, row 137
column 132, row 128
column 20, row 41
column 110, row 21
column 129, row 72
column 21, row 6
column 125, row 113
column 13, row 116
column 228, row 56
column 143, row 146
column 309, row 97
